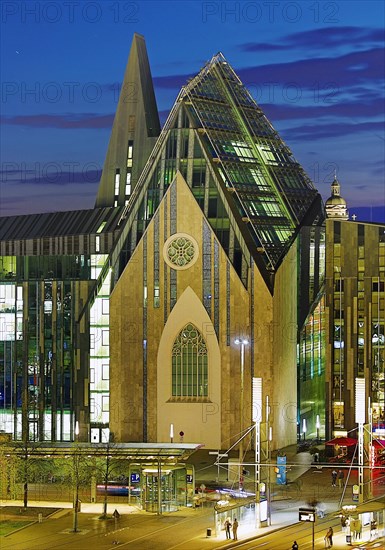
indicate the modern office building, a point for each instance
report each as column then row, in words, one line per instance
column 200, row 270
column 343, row 338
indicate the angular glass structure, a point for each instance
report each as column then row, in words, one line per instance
column 57, row 271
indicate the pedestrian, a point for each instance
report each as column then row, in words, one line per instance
column 295, row 546
column 329, row 538
column 321, row 510
column 343, row 523
column 227, row 528
column 353, row 530
column 358, row 529
column 334, row 478
column 340, row 478
column 235, row 529
column 373, row 529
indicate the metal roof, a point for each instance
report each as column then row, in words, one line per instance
column 55, row 224
column 144, row 452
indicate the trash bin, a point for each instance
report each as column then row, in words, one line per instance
column 208, row 532
column 348, row 539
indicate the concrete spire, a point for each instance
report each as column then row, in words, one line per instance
column 135, row 129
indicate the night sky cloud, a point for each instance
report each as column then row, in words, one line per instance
column 319, row 39
column 333, row 54
column 54, row 175
column 343, row 109
column 66, row 121
column 326, row 131
column 352, row 69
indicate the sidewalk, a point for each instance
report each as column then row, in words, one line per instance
column 304, row 482
column 282, row 519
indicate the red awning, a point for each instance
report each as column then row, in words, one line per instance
column 342, row 441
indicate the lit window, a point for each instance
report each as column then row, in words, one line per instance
column 105, row 371
column 105, row 403
column 105, row 337
column 117, row 182
column 128, row 184
column 105, row 306
column 189, row 364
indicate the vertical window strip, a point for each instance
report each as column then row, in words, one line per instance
column 216, row 287
column 156, row 260
column 144, row 341
column 206, row 265
column 173, row 226
column 252, row 315
column 228, row 312
column 165, row 267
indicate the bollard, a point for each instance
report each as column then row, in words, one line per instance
column 40, row 518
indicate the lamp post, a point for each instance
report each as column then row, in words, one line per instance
column 171, row 433
column 304, row 428
column 269, row 440
column 360, row 420
column 317, row 425
column 76, row 475
column 257, row 418
column 241, row 342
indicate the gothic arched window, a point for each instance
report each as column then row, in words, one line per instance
column 189, row 364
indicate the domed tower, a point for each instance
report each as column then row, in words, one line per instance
column 335, row 206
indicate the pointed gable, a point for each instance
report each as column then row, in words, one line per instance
column 245, row 179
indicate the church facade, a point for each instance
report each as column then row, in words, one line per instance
column 195, row 278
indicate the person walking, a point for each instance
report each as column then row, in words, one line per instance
column 340, row 478
column 329, row 538
column 235, row 529
column 334, row 478
column 227, row 528
column 373, row 529
column 358, row 529
column 295, row 546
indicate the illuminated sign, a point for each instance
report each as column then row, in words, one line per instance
column 135, row 478
column 306, row 514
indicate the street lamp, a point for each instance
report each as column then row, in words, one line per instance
column 269, row 440
column 360, row 417
column 241, row 342
column 304, row 428
column 317, row 425
column 172, row 433
column 257, row 418
column 75, row 466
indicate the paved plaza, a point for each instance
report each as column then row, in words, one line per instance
column 188, row 528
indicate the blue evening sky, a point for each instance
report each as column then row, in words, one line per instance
column 315, row 67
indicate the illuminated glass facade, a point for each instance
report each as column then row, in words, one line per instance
column 47, row 381
column 312, row 372
column 57, row 271
column 355, row 304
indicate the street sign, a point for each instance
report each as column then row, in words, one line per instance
column 306, row 514
column 281, row 465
